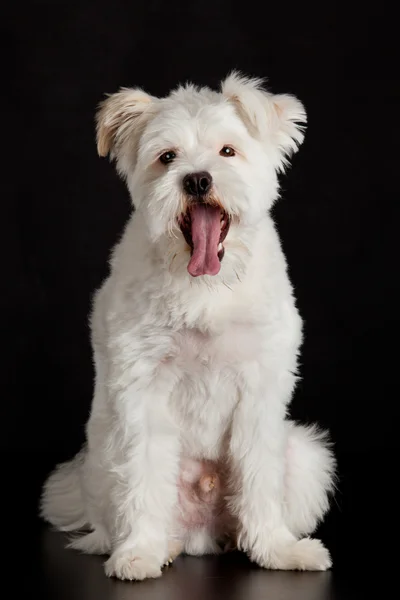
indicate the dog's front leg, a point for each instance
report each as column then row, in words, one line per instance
column 257, row 448
column 140, row 455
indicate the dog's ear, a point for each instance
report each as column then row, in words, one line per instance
column 119, row 116
column 276, row 118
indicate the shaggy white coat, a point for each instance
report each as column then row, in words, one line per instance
column 202, row 368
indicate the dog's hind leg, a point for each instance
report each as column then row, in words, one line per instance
column 61, row 502
column 94, row 542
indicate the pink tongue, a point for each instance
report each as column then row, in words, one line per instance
column 206, row 231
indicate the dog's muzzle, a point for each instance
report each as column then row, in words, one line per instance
column 204, row 225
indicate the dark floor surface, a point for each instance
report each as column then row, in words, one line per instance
column 66, row 575
column 38, row 564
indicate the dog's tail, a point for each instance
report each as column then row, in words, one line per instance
column 61, row 503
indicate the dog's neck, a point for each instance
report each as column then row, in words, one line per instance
column 159, row 268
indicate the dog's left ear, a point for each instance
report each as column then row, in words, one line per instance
column 275, row 118
column 120, row 118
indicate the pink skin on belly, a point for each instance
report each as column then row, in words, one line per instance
column 202, row 490
column 201, row 503
column 200, row 496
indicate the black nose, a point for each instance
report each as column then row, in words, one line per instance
column 197, row 184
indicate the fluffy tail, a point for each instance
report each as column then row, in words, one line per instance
column 61, row 502
column 310, row 477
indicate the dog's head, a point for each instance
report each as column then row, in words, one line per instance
column 201, row 165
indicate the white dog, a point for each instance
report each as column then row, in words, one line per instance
column 196, row 337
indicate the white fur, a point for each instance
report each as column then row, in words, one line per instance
column 203, row 368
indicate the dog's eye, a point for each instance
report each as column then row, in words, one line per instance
column 227, row 151
column 167, row 157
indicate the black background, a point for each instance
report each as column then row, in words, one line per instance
column 62, row 209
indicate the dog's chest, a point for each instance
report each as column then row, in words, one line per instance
column 207, row 391
column 192, row 349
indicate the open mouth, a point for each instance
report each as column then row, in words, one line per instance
column 205, row 228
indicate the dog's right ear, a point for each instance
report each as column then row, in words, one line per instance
column 121, row 116
column 278, row 118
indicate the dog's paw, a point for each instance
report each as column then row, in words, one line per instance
column 303, row 555
column 175, row 548
column 132, row 565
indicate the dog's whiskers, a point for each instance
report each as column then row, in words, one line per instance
column 237, row 275
column 226, row 285
column 172, row 230
column 172, row 262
